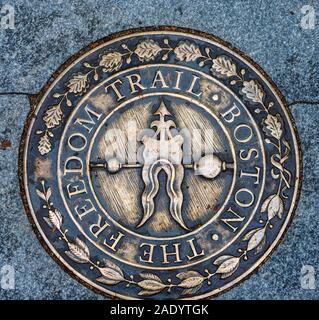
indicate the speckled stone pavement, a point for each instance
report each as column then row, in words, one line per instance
column 47, row 33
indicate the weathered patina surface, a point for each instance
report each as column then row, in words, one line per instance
column 160, row 163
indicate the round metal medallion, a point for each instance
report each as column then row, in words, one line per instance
column 160, row 163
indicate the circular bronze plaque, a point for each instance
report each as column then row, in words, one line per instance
column 160, row 163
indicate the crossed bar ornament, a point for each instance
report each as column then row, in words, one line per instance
column 163, row 152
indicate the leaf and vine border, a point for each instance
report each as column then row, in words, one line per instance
column 150, row 284
column 273, row 128
column 223, row 67
column 110, row 61
column 110, row 273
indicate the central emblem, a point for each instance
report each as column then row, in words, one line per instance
column 160, row 164
column 163, row 152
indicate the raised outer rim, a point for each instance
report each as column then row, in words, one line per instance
column 35, row 99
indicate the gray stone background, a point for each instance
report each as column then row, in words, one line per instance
column 48, row 32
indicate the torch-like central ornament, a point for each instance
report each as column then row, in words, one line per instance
column 163, row 151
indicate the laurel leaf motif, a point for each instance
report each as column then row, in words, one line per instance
column 274, row 206
column 150, row 276
column 112, row 265
column 53, row 116
column 44, row 146
column 111, row 61
column 48, row 222
column 148, row 293
column 250, row 234
column 78, row 83
column 256, row 239
column 41, row 194
column 266, row 203
column 187, row 274
column 55, row 218
column 272, row 126
column 187, row 51
column 111, row 275
column 149, row 284
column 79, row 252
column 228, row 267
column 253, row 91
column 221, row 259
column 191, row 291
column 48, row 194
column 261, row 245
column 191, row 282
column 147, row 50
column 223, row 67
column 227, row 274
